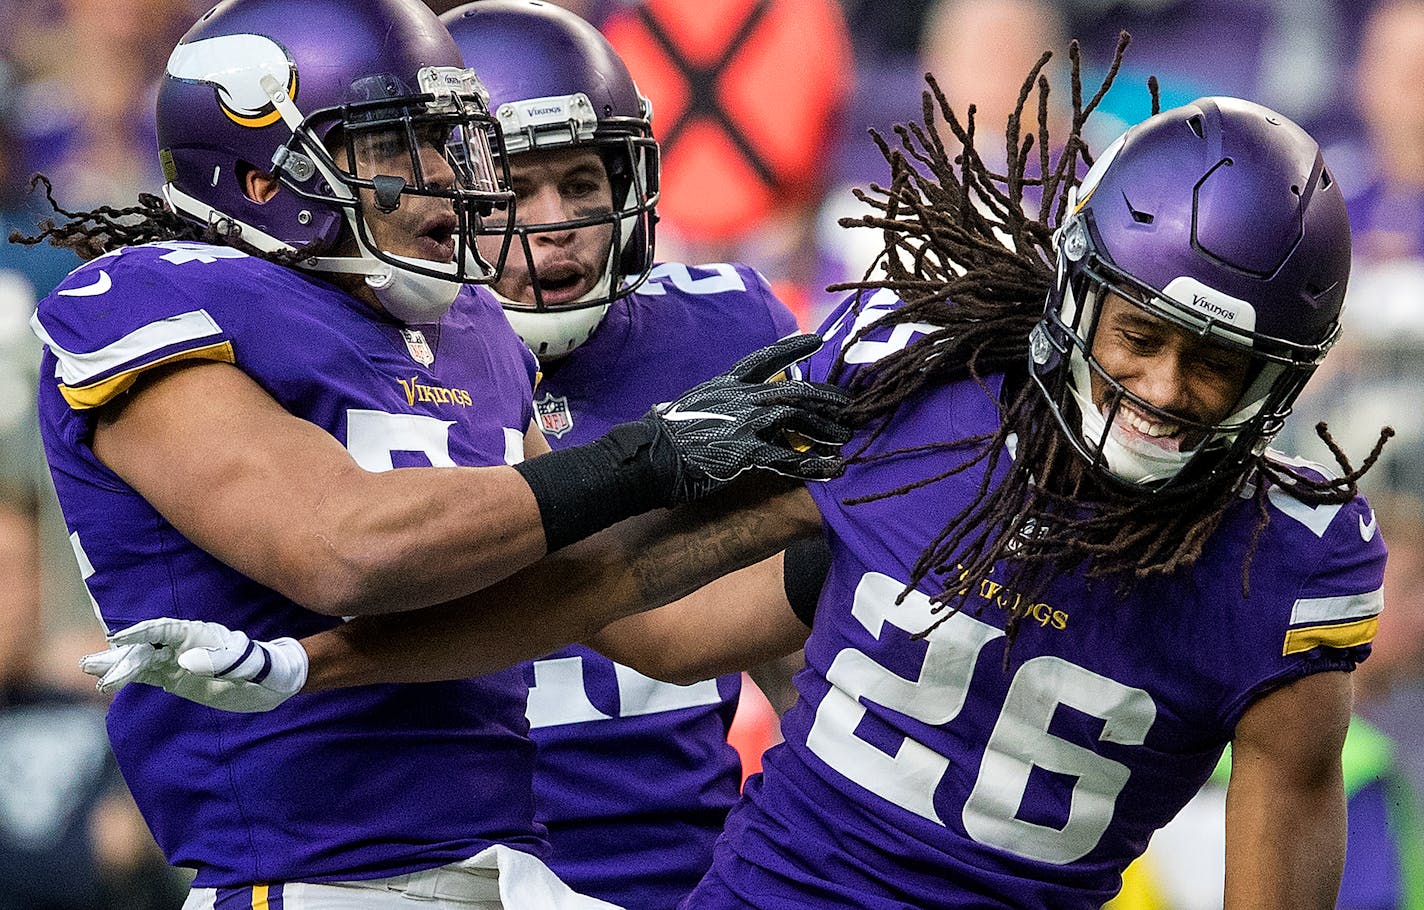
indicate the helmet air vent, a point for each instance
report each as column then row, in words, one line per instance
column 1139, row 217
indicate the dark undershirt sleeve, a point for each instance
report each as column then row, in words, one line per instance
column 807, row 562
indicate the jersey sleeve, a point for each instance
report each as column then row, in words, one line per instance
column 783, row 321
column 122, row 314
column 1327, row 619
column 852, row 340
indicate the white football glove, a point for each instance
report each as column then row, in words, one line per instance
column 203, row 662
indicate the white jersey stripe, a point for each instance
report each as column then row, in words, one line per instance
column 78, row 369
column 1312, row 610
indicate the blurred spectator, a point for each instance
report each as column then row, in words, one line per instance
column 1383, row 178
column 38, row 268
column 1376, row 376
column 978, row 52
column 74, row 115
column 1291, row 55
column 1184, row 866
column 70, row 838
column 885, row 32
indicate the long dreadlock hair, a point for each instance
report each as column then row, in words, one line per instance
column 963, row 255
column 107, row 228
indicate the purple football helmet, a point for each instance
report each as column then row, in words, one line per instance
column 339, row 102
column 555, row 82
column 1219, row 217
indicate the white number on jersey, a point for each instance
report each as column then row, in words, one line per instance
column 559, row 695
column 372, row 437
column 880, row 304
column 1019, row 742
column 724, row 278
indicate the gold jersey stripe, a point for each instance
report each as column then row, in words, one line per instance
column 259, row 897
column 1340, row 635
column 92, row 396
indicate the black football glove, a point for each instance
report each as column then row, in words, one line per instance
column 750, row 417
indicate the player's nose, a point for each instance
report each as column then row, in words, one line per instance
column 545, row 205
column 1164, row 381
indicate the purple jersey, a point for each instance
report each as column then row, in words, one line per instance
column 634, row 776
column 927, row 773
column 354, row 783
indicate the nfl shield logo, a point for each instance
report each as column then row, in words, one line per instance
column 554, row 417
column 419, row 351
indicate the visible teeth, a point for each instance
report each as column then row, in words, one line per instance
column 1145, row 425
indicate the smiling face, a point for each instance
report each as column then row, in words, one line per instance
column 1171, row 368
column 553, row 186
column 421, row 227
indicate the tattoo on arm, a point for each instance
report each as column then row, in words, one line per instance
column 720, row 536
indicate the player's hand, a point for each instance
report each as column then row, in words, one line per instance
column 750, row 417
column 203, row 662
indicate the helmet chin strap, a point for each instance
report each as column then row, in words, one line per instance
column 409, row 296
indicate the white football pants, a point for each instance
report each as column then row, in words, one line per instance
column 497, row 878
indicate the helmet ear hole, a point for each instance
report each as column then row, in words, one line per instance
column 257, row 185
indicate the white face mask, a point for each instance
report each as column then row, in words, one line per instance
column 413, row 298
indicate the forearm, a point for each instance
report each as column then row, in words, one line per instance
column 1285, row 805
column 1291, row 858
column 288, row 505
column 739, row 621
column 569, row 595
column 421, row 537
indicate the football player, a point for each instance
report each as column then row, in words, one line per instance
column 633, row 776
column 267, row 409
column 1066, row 569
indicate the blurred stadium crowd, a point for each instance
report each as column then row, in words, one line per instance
column 762, row 107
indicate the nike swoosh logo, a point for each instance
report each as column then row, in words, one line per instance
column 675, row 414
column 1367, row 531
column 101, row 285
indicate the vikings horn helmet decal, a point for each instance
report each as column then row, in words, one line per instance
column 234, row 66
column 348, row 105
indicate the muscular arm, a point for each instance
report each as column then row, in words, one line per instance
column 283, row 502
column 739, row 621
column 1285, row 804
column 640, row 564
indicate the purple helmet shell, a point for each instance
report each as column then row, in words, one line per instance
column 1219, row 217
column 255, row 86
column 531, row 49
column 555, row 82
column 1236, row 196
